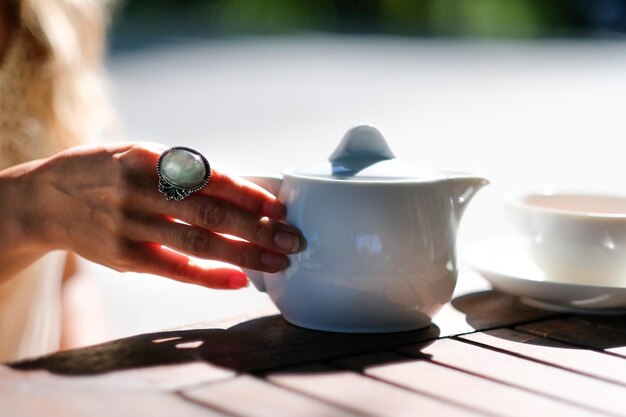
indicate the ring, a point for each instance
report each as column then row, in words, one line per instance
column 182, row 171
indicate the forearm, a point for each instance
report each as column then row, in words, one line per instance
column 21, row 242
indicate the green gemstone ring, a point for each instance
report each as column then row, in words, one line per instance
column 182, row 171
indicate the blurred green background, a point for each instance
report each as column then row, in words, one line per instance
column 526, row 19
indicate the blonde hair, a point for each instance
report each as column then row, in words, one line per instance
column 52, row 93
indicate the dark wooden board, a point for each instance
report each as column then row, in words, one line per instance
column 579, row 333
column 492, row 309
column 616, row 323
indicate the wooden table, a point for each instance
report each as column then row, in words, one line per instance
column 486, row 354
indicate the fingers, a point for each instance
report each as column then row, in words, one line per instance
column 155, row 259
column 205, row 244
column 226, row 205
column 222, row 217
column 244, row 194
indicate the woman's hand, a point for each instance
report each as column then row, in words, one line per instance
column 103, row 203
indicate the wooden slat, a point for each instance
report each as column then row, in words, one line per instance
column 249, row 396
column 54, row 400
column 532, row 376
column 614, row 323
column 164, row 377
column 584, row 361
column 364, row 395
column 580, row 334
column 469, row 390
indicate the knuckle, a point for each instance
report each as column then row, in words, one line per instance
column 126, row 158
column 195, row 241
column 237, row 253
column 212, row 214
column 131, row 161
column 260, row 231
column 247, row 257
column 131, row 153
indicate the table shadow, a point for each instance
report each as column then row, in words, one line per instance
column 505, row 317
column 253, row 346
column 491, row 309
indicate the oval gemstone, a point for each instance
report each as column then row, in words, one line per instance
column 183, row 168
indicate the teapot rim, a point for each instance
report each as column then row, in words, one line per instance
column 363, row 180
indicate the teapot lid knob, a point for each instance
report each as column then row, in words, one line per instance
column 364, row 156
column 363, row 144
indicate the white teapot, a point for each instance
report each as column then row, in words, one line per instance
column 380, row 239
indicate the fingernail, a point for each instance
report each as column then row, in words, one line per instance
column 237, row 281
column 274, row 260
column 287, row 241
column 274, row 209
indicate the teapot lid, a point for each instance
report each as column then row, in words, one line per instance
column 364, row 155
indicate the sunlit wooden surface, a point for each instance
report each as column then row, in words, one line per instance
column 511, row 360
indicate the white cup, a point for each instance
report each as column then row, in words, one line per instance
column 573, row 237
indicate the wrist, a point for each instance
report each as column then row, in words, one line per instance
column 22, row 229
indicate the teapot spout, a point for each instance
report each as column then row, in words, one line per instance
column 462, row 187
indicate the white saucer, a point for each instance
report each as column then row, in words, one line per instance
column 509, row 270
